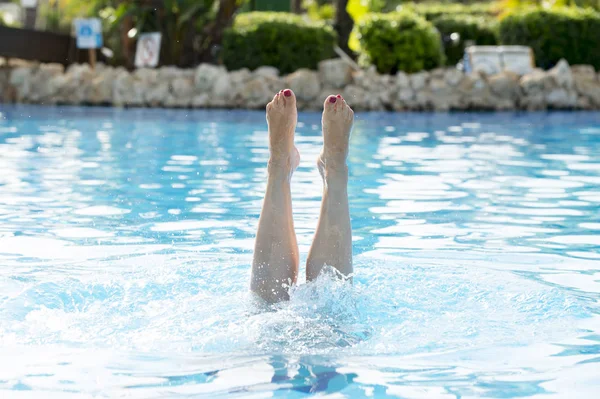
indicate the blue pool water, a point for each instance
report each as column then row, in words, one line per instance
column 126, row 240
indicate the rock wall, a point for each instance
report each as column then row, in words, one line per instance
column 208, row 86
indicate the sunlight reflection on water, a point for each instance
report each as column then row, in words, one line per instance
column 126, row 241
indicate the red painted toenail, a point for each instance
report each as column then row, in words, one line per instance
column 332, row 99
column 339, row 96
column 287, row 92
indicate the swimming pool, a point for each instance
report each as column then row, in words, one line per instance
column 126, row 239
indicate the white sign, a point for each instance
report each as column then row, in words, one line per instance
column 518, row 59
column 495, row 59
column 147, row 51
column 29, row 3
column 89, row 33
column 484, row 59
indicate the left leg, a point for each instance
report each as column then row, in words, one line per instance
column 275, row 263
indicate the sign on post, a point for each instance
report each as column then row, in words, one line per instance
column 89, row 33
column 147, row 51
column 89, row 36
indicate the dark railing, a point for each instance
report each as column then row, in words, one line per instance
column 40, row 46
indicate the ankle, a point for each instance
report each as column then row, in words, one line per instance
column 334, row 172
column 335, row 165
column 280, row 167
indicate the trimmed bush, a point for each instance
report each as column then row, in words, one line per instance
column 480, row 30
column 570, row 33
column 399, row 41
column 431, row 11
column 285, row 41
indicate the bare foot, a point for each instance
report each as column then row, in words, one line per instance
column 281, row 118
column 337, row 123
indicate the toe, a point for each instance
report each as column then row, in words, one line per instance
column 289, row 97
column 278, row 101
column 330, row 103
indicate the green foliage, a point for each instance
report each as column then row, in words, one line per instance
column 509, row 6
column 570, row 33
column 399, row 41
column 317, row 11
column 479, row 30
column 431, row 11
column 175, row 21
column 357, row 9
column 285, row 41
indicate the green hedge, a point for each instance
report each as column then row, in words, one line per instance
column 480, row 30
column 399, row 41
column 570, row 33
column 433, row 11
column 285, row 41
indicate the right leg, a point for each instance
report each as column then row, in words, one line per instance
column 275, row 263
column 332, row 245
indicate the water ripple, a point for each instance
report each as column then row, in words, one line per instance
column 126, row 241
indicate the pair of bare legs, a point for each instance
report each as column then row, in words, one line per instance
column 275, row 263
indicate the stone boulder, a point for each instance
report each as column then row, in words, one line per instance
column 147, row 75
column 274, row 84
column 6, row 92
column 404, row 98
column 42, row 91
column 505, row 85
column 561, row 98
column 441, row 96
column 256, row 93
column 239, row 77
column 368, row 79
column 564, row 94
column 584, row 71
column 562, row 75
column 170, row 73
column 438, row 73
column 537, row 82
column 267, row 71
column 533, row 102
column 155, row 95
column 79, row 81
column 358, row 98
column 101, row 90
column 21, row 79
column 402, row 80
column 201, row 100
column 206, row 75
column 476, row 93
column 222, row 91
column 305, row 84
column 586, row 84
column 181, row 92
column 387, row 90
column 419, row 80
column 127, row 91
column 335, row 73
column 453, row 76
column 535, row 86
column 32, row 83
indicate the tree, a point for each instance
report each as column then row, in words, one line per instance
column 343, row 24
column 296, row 6
column 212, row 34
